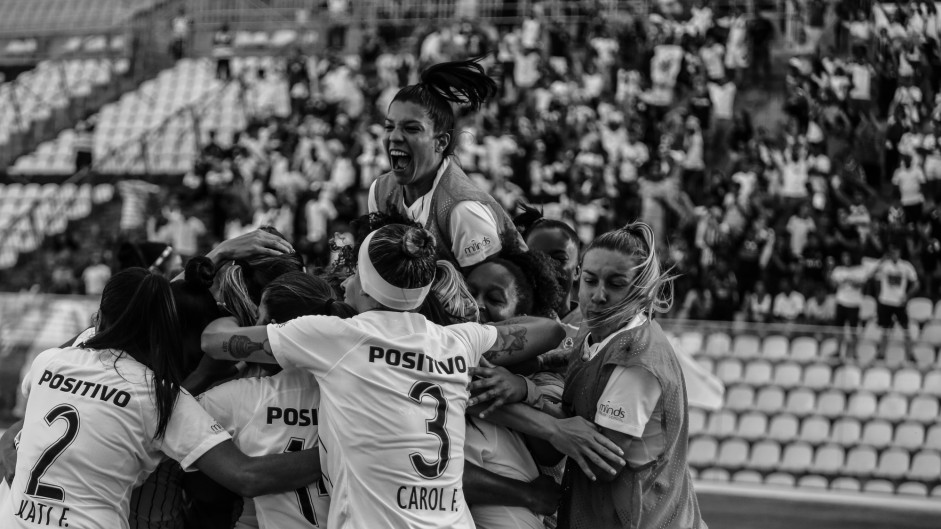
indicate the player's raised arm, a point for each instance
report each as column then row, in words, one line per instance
column 523, row 338
column 255, row 476
column 223, row 339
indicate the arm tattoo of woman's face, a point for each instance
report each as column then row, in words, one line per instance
column 240, row 346
column 508, row 342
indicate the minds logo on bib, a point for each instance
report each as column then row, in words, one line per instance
column 610, row 411
column 475, row 246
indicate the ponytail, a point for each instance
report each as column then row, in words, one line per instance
column 235, row 296
column 651, row 287
column 144, row 325
column 297, row 294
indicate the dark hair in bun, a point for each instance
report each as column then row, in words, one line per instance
column 297, row 294
column 457, row 82
column 536, row 282
column 404, row 256
column 195, row 306
column 531, row 220
column 199, row 272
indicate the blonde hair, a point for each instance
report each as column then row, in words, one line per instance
column 235, row 297
column 452, row 293
column 651, row 287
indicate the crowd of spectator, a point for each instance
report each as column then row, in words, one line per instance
column 788, row 218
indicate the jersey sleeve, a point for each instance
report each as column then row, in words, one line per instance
column 37, row 366
column 190, row 433
column 314, row 343
column 628, row 400
column 230, row 403
column 478, row 339
column 474, row 234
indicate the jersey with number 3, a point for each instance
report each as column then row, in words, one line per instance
column 87, row 440
column 267, row 415
column 393, row 396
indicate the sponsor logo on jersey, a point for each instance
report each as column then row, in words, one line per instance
column 417, row 361
column 610, row 411
column 292, row 417
column 91, row 390
column 475, row 246
column 429, row 499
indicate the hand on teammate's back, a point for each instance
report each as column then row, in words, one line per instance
column 258, row 242
column 580, row 439
column 545, row 494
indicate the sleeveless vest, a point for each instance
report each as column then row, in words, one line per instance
column 658, row 495
column 453, row 187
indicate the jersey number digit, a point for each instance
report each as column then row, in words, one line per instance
column 434, row 426
column 296, row 444
column 35, row 487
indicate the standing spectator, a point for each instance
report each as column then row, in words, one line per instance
column 222, row 52
column 84, row 146
column 713, row 54
column 898, row 282
column 736, row 44
column 909, row 179
column 849, row 278
column 134, row 198
column 723, row 290
column 799, row 227
column 788, row 304
column 96, row 275
column 722, row 96
column 761, row 34
column 182, row 232
column 180, row 32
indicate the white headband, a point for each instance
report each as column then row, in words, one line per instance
column 381, row 290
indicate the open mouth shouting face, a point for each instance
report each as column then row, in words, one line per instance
column 410, row 142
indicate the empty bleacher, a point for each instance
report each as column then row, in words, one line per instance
column 796, row 415
column 36, row 17
column 151, row 119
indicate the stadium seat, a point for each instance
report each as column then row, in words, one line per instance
column 781, row 479
column 866, row 352
column 906, row 381
column 933, row 437
column 847, row 378
column 746, row 476
column 936, row 492
column 697, row 421
column 892, row 407
column 746, row 346
column 817, row 376
column 846, row 432
column 924, row 408
column 758, row 373
column 787, row 375
column 797, row 458
column 926, row 466
column 924, row 354
column 770, row 400
column 804, row 349
column 861, row 405
column 800, row 402
column 702, row 452
column 909, row 435
column 829, row 348
column 919, row 309
column 739, row 398
column 691, row 342
column 721, row 424
column 729, row 371
column 937, row 310
column 896, row 355
column 813, row 482
column 732, row 454
column 718, row 344
column 752, row 426
column 775, row 348
column 931, row 334
column 860, row 461
column 828, row 460
column 764, row 456
column 893, row 464
column 844, row 483
column 783, row 428
column 877, row 434
column 815, row 430
column 932, row 383
column 877, row 380
column 879, row 486
column 912, row 489
column 719, row 475
column 831, row 403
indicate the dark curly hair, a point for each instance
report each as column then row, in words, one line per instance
column 537, row 282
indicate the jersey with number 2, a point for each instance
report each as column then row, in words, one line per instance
column 393, row 396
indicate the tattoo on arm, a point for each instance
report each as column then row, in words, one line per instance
column 240, row 346
column 511, row 338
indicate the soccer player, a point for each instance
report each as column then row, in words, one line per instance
column 393, row 385
column 101, row 416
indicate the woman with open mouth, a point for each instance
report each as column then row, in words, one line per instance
column 425, row 183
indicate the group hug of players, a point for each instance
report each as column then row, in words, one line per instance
column 453, row 369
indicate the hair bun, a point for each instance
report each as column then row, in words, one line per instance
column 418, row 243
column 200, row 272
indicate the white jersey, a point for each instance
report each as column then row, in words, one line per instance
column 393, row 396
column 87, row 440
column 269, row 415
